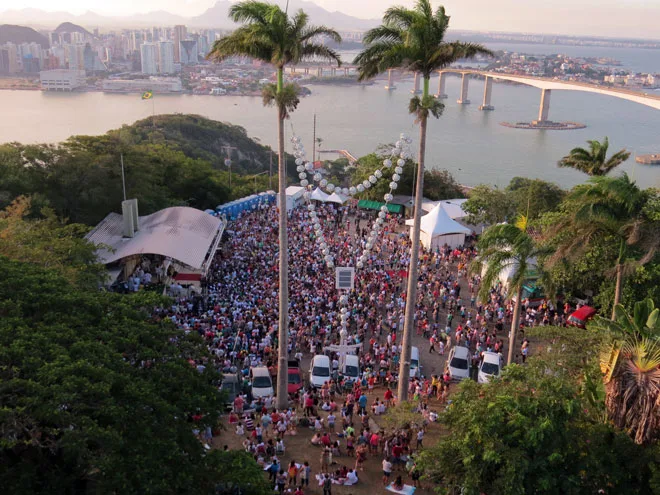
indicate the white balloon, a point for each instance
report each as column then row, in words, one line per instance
column 393, row 185
column 396, row 177
column 360, row 188
column 323, row 183
column 299, row 161
column 352, row 190
column 331, row 187
column 304, row 182
column 378, row 174
column 401, row 162
column 309, row 166
column 373, row 179
column 387, row 162
column 399, row 170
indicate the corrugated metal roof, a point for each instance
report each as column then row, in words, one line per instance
column 182, row 233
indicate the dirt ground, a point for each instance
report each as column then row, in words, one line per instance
column 300, row 449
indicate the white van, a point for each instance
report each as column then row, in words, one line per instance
column 350, row 370
column 415, row 367
column 458, row 363
column 262, row 384
column 319, row 371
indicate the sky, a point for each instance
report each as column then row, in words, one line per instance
column 612, row 18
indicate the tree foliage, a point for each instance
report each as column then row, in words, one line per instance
column 594, row 161
column 179, row 161
column 531, row 431
column 95, row 397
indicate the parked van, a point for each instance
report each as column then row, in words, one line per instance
column 319, row 371
column 350, row 370
column 580, row 317
column 415, row 367
column 262, row 384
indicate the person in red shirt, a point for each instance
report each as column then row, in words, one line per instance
column 389, row 396
column 238, row 404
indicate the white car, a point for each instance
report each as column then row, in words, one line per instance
column 459, row 363
column 415, row 368
column 319, row 371
column 262, row 384
column 491, row 365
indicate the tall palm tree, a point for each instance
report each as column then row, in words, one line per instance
column 505, row 247
column 630, row 361
column 594, row 161
column 604, row 209
column 269, row 34
column 413, row 39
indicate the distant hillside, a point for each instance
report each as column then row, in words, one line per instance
column 21, row 34
column 69, row 27
column 201, row 138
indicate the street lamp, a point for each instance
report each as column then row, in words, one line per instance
column 255, row 179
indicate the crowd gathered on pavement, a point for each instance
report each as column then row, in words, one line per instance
column 237, row 315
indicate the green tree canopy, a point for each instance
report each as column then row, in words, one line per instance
column 533, row 430
column 97, row 398
column 594, row 161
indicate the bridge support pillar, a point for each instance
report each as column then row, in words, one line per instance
column 319, row 72
column 488, row 89
column 346, row 69
column 463, row 100
column 306, row 70
column 416, row 89
column 544, row 108
column 390, row 82
column 441, row 86
column 333, row 71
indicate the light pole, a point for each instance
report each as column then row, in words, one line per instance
column 255, row 179
column 228, row 149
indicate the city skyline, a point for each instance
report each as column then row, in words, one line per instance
column 610, row 18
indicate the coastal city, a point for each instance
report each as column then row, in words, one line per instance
column 328, row 247
column 172, row 59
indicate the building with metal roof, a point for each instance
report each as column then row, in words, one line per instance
column 185, row 235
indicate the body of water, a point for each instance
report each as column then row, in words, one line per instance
column 469, row 143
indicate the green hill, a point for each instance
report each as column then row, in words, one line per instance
column 10, row 33
column 201, row 138
column 70, row 27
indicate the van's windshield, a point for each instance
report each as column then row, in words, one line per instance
column 262, row 382
column 320, row 371
column 351, row 371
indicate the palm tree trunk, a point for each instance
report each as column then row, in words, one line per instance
column 617, row 287
column 283, row 326
column 413, row 273
column 514, row 326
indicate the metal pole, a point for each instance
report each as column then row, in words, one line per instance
column 123, row 177
column 314, row 141
column 270, row 171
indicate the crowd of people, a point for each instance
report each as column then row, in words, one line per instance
column 238, row 318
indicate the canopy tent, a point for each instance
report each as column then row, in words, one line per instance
column 294, row 195
column 319, row 195
column 438, row 229
column 336, row 198
column 375, row 205
column 453, row 207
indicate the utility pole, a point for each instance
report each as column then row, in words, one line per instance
column 314, row 142
column 229, row 149
column 270, row 171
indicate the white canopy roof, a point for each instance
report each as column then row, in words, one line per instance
column 182, row 233
column 319, row 195
column 437, row 222
column 336, row 198
column 453, row 207
column 294, row 191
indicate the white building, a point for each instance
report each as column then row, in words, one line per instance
column 149, row 57
column 62, row 79
column 75, row 56
column 154, row 84
column 166, row 57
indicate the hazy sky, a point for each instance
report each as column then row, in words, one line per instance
column 603, row 17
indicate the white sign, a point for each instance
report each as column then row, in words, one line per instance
column 345, row 277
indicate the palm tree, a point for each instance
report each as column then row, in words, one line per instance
column 270, row 35
column 608, row 209
column 594, row 161
column 505, row 247
column 413, row 39
column 630, row 362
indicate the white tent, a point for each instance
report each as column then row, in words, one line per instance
column 319, row 195
column 294, row 196
column 438, row 229
column 453, row 207
column 336, row 198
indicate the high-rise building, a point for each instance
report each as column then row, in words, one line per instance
column 149, row 58
column 166, row 57
column 75, row 56
column 188, row 52
column 180, row 34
